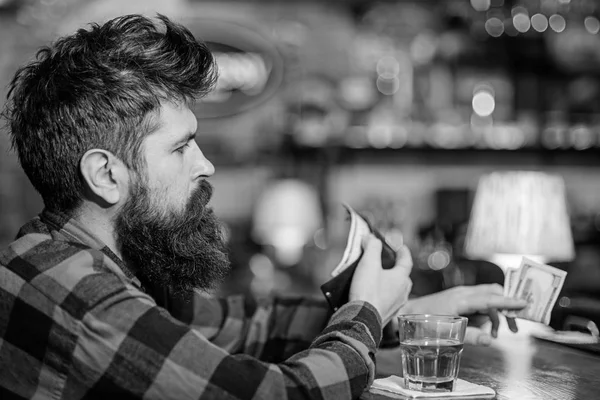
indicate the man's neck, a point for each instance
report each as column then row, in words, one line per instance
column 98, row 221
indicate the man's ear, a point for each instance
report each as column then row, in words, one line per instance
column 105, row 176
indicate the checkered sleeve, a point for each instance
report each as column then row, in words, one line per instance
column 128, row 346
column 271, row 329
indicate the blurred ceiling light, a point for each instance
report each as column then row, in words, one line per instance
column 494, row 27
column 539, row 22
column 592, row 25
column 521, row 22
column 484, row 103
column 582, row 137
column 509, row 137
column 388, row 67
column 380, row 136
column 557, row 23
column 423, row 48
column 357, row 92
column 519, row 10
column 399, row 140
column 439, row 260
column 481, row 5
column 564, row 1
column 388, row 86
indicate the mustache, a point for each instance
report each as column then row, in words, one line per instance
column 202, row 194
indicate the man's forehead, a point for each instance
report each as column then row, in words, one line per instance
column 174, row 122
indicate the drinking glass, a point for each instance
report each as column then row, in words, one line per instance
column 431, row 347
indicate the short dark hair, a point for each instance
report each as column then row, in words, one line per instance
column 100, row 88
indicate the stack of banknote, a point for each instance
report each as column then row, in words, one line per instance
column 539, row 284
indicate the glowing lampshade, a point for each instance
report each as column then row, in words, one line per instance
column 287, row 215
column 520, row 213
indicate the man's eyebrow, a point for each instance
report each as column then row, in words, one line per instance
column 187, row 138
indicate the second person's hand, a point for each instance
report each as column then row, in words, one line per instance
column 466, row 300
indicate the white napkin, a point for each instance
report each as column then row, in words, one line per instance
column 462, row 389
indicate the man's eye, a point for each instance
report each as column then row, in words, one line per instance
column 182, row 148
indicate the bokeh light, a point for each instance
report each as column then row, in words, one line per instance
column 494, row 27
column 388, row 86
column 539, row 22
column 438, row 260
column 388, row 67
column 592, row 25
column 481, row 5
column 521, row 22
column 557, row 23
column 483, row 103
column 519, row 10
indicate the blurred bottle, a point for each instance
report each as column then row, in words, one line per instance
column 581, row 136
column 555, row 133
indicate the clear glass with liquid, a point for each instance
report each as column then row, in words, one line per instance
column 431, row 348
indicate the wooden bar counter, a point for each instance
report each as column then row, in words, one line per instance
column 518, row 367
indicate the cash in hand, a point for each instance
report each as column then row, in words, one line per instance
column 539, row 284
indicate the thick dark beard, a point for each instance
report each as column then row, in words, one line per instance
column 180, row 251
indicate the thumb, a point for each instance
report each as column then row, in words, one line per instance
column 477, row 337
column 404, row 260
column 371, row 251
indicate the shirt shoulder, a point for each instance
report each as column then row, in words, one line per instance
column 68, row 274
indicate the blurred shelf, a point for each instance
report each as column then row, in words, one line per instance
column 435, row 156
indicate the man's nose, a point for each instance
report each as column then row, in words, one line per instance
column 203, row 167
column 207, row 167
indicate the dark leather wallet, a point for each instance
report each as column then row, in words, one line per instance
column 337, row 289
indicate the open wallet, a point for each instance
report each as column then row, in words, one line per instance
column 337, row 289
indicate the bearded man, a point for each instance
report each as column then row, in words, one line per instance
column 102, row 126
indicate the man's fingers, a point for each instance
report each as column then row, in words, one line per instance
column 404, row 259
column 505, row 303
column 512, row 324
column 477, row 337
column 408, row 287
column 489, row 289
column 493, row 313
column 371, row 243
column 372, row 249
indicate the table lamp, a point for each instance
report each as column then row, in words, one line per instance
column 286, row 217
column 516, row 214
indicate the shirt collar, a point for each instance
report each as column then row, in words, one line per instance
column 70, row 228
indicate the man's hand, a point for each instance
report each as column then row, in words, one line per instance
column 386, row 289
column 465, row 300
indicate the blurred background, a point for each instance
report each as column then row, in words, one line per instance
column 398, row 108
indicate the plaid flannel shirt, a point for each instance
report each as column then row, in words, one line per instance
column 76, row 323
